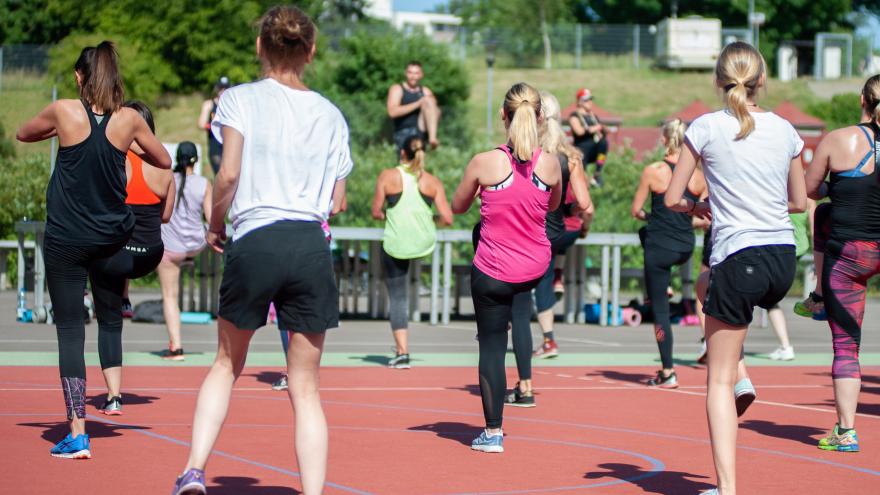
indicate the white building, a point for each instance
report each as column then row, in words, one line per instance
column 440, row 27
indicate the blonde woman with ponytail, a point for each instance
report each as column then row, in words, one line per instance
column 410, row 233
column 752, row 162
column 553, row 141
column 852, row 250
column 517, row 184
column 667, row 239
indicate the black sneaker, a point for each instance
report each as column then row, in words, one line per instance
column 280, row 384
column 112, row 406
column 399, row 362
column 517, row 398
column 661, row 381
column 173, row 354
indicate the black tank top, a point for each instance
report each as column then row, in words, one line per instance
column 855, row 201
column 669, row 229
column 214, row 146
column 147, row 225
column 555, row 220
column 85, row 200
column 588, row 136
column 411, row 119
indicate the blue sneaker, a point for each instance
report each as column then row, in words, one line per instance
column 713, row 491
column 72, row 448
column 744, row 393
column 489, row 443
column 191, row 482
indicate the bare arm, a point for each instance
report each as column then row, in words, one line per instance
column 818, row 170
column 797, row 189
column 442, row 204
column 204, row 123
column 168, row 201
column 674, row 198
column 379, row 197
column 467, row 188
column 225, row 184
column 153, row 152
column 40, row 127
column 208, row 201
column 637, row 209
column 395, row 109
column 578, row 183
column 577, row 128
column 340, row 203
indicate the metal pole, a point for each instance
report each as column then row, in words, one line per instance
column 489, row 105
column 447, row 280
column 578, row 36
column 435, row 282
column 751, row 23
column 1, row 69
column 606, row 275
column 636, row 46
column 849, row 56
column 53, row 145
column 615, row 286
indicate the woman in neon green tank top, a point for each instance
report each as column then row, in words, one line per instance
column 410, row 231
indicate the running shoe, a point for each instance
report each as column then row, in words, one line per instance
column 782, row 354
column 597, row 181
column 489, row 443
column 558, row 284
column 127, row 309
column 704, row 352
column 548, row 349
column 811, row 307
column 280, row 384
column 847, row 442
column 112, row 406
column 518, row 398
column 713, row 491
column 744, row 393
column 191, row 482
column 72, row 448
column 664, row 381
column 173, row 354
column 399, row 362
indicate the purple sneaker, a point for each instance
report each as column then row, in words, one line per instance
column 191, row 482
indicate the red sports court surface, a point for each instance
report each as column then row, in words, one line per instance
column 408, row 432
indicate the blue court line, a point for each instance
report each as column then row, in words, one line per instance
column 224, row 454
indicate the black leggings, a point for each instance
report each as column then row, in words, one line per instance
column 108, row 278
column 493, row 302
column 658, row 273
column 396, row 271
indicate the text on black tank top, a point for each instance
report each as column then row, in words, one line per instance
column 669, row 229
column 85, row 200
column 411, row 119
column 855, row 199
column 555, row 220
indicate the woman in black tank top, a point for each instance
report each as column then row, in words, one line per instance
column 667, row 239
column 85, row 201
column 852, row 252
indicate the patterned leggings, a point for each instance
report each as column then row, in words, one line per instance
column 848, row 267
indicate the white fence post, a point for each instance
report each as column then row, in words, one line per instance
column 636, row 45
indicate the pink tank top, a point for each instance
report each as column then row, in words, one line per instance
column 513, row 241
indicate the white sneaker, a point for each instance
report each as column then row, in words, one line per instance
column 782, row 354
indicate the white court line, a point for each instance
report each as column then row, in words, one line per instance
column 592, row 342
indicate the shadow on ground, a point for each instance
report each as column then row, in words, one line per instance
column 663, row 482
column 267, row 377
column 127, row 400
column 54, row 432
column 798, row 433
column 242, row 485
column 458, row 432
column 621, row 376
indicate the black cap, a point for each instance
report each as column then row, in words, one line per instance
column 187, row 154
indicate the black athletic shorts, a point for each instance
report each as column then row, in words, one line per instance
column 756, row 276
column 286, row 263
column 401, row 135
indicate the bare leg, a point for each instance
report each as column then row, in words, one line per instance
column 701, row 294
column 545, row 321
column 400, row 340
column 429, row 119
column 213, row 401
column 169, row 279
column 777, row 319
column 303, row 362
column 846, row 396
column 725, row 347
column 113, row 378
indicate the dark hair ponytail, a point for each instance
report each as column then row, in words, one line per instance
column 187, row 156
column 101, row 84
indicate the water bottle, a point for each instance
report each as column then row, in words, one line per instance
column 22, row 305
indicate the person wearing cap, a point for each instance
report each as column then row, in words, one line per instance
column 209, row 108
column 413, row 109
column 589, row 133
column 183, row 237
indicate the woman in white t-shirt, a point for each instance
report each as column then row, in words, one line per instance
column 751, row 160
column 285, row 158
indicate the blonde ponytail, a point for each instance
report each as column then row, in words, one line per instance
column 739, row 73
column 673, row 134
column 553, row 138
column 522, row 108
column 414, row 153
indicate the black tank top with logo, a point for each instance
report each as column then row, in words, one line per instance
column 411, row 119
column 85, row 200
column 669, row 229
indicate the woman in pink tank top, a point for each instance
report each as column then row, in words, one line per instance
column 517, row 185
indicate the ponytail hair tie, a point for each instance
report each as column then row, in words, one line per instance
column 730, row 86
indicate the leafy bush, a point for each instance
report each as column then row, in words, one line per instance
column 27, row 199
column 842, row 110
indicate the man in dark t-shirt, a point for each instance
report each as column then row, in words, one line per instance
column 589, row 134
column 413, row 108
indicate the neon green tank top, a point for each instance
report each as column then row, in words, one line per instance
column 801, row 233
column 409, row 225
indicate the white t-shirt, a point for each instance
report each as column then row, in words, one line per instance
column 295, row 149
column 747, row 179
